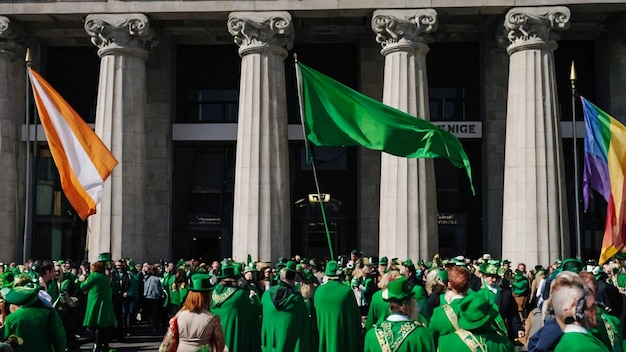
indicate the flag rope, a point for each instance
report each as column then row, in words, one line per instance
column 309, row 156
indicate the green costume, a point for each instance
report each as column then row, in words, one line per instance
column 338, row 318
column 578, row 341
column 285, row 320
column 609, row 331
column 378, row 311
column 439, row 322
column 239, row 318
column 40, row 327
column 99, row 312
column 399, row 336
column 470, row 326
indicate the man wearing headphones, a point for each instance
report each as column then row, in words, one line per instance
column 575, row 310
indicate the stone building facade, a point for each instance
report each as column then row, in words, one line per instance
column 196, row 100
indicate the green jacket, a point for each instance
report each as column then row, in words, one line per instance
column 394, row 335
column 40, row 327
column 378, row 311
column 239, row 318
column 338, row 318
column 609, row 331
column 99, row 311
column 285, row 326
column 580, row 342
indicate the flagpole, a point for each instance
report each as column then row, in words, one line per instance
column 28, row 182
column 572, row 79
column 306, row 147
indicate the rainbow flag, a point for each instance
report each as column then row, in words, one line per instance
column 604, row 170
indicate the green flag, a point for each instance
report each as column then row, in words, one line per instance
column 335, row 115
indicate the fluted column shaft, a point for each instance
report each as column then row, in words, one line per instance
column 408, row 199
column 12, row 80
column 122, row 39
column 534, row 225
column 261, row 215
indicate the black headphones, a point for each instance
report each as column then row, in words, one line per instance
column 579, row 315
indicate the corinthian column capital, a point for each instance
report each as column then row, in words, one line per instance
column 12, row 37
column 403, row 28
column 262, row 31
column 127, row 33
column 535, row 27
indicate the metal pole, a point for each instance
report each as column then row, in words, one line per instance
column 28, row 232
column 572, row 79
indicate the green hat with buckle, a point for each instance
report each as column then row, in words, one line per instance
column 407, row 262
column 200, row 282
column 572, row 264
column 490, row 268
column 397, row 291
column 104, row 257
column 383, row 261
column 228, row 270
column 22, row 295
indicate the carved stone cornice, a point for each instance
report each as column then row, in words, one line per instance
column 535, row 27
column 12, row 38
column 404, row 29
column 129, row 34
column 262, row 31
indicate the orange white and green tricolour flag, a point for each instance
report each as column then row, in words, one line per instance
column 83, row 161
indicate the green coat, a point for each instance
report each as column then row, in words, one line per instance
column 338, row 318
column 606, row 323
column 439, row 322
column 580, row 342
column 40, row 327
column 419, row 339
column 378, row 311
column 239, row 318
column 491, row 341
column 99, row 312
column 285, row 320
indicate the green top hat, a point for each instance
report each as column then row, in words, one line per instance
column 490, row 268
column 397, row 291
column 476, row 311
column 291, row 266
column 180, row 263
column 8, row 279
column 506, row 261
column 407, row 262
column 228, row 270
column 538, row 267
column 572, row 264
column 383, row 261
column 104, row 257
column 332, row 268
column 22, row 295
column 60, row 261
column 200, row 282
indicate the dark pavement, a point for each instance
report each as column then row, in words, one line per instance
column 141, row 338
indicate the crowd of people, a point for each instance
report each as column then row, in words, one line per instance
column 355, row 303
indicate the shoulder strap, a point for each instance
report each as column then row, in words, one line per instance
column 451, row 316
column 386, row 339
column 471, row 341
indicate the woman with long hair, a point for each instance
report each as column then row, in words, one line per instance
column 197, row 327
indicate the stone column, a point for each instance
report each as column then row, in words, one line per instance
column 408, row 198
column 12, row 93
column 123, row 41
column 261, row 215
column 535, row 223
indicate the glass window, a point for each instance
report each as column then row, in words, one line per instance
column 207, row 83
